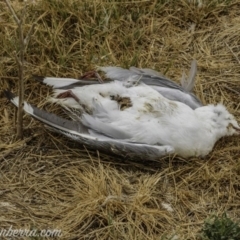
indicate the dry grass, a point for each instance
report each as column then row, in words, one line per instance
column 47, row 181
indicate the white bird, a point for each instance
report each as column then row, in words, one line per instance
column 132, row 119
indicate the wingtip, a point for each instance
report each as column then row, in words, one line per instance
column 8, row 94
column 38, row 78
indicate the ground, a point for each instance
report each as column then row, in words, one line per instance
column 50, row 182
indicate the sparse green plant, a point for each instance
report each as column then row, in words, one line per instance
column 220, row 228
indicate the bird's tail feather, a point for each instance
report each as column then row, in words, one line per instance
column 188, row 84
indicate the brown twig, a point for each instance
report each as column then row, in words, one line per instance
column 233, row 90
column 23, row 43
column 230, row 49
column 19, row 145
column 13, row 12
column 30, row 32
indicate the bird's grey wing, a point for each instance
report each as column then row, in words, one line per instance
column 148, row 76
column 87, row 122
column 146, row 71
column 161, row 82
column 121, row 74
column 96, row 125
column 50, row 119
column 163, row 85
column 170, row 89
column 78, row 132
column 138, row 151
column 117, row 73
column 154, row 78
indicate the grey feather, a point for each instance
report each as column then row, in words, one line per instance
column 189, row 83
column 147, row 71
column 120, row 148
column 78, row 132
column 50, row 119
column 103, row 128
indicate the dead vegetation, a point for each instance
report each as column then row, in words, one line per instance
column 48, row 181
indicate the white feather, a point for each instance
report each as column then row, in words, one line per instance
column 59, row 82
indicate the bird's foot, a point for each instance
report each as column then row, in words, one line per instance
column 68, row 94
column 91, row 74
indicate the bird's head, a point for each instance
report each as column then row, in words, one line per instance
column 225, row 121
column 222, row 122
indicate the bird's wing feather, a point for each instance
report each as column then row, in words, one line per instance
column 48, row 118
column 125, row 149
column 117, row 73
column 78, row 132
column 146, row 71
column 104, row 128
column 63, row 83
column 152, row 77
column 189, row 83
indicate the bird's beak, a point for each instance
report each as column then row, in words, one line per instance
column 237, row 129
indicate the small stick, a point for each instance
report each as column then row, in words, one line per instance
column 23, row 43
column 13, row 12
column 233, row 90
column 233, row 53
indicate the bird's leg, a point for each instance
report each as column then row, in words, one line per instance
column 68, row 94
column 91, row 74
